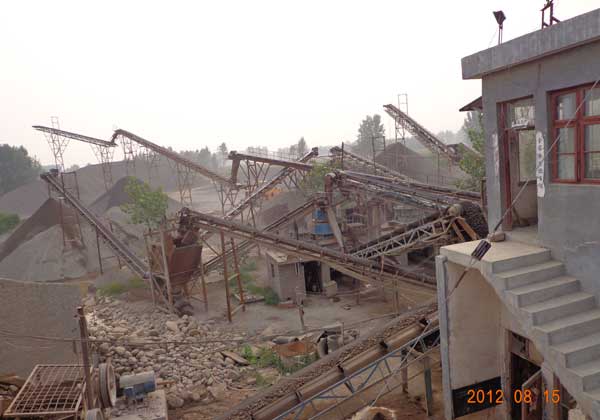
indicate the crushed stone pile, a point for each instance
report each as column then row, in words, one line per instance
column 25, row 200
column 42, row 258
column 44, row 218
column 195, row 372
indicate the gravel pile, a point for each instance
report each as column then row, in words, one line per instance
column 192, row 372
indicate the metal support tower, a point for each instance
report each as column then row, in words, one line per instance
column 57, row 144
column 103, row 150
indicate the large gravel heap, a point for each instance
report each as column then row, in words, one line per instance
column 193, row 372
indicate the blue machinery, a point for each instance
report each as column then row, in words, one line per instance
column 383, row 371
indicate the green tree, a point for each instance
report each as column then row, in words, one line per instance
column 223, row 152
column 16, row 167
column 471, row 163
column 371, row 131
column 8, row 221
column 314, row 182
column 147, row 206
column 302, row 147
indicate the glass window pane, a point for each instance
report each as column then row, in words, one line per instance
column 592, row 103
column 522, row 114
column 592, row 138
column 592, row 165
column 565, row 106
column 566, row 167
column 566, row 142
column 526, row 155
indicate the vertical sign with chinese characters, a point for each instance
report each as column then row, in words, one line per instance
column 539, row 164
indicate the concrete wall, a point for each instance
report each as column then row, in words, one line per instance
column 568, row 214
column 43, row 309
column 290, row 281
column 538, row 44
column 284, row 280
column 474, row 325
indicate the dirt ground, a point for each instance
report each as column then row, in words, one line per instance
column 319, row 310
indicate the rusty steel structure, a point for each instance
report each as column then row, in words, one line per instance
column 359, row 379
column 257, row 166
column 280, row 223
column 103, row 150
column 57, row 143
column 134, row 145
column 70, row 225
column 135, row 264
column 359, row 268
column 248, row 208
column 343, row 158
column 424, row 136
column 426, row 195
column 50, row 390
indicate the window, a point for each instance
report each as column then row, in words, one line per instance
column 576, row 155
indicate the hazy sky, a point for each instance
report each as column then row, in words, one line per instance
column 250, row 73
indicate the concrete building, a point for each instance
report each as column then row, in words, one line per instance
column 286, row 276
column 525, row 320
column 37, row 309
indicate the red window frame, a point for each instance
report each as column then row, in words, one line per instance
column 579, row 123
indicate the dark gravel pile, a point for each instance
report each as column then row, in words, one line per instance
column 474, row 217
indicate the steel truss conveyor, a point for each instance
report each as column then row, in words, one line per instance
column 425, row 136
column 342, row 156
column 366, row 384
column 281, row 222
column 359, row 268
column 136, row 265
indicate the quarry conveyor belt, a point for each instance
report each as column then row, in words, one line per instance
column 175, row 157
column 343, row 155
column 425, row 136
column 283, row 221
column 302, row 384
column 132, row 261
column 435, row 194
column 359, row 268
column 280, row 177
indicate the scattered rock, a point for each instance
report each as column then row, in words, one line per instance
column 218, row 391
column 172, row 325
column 175, row 401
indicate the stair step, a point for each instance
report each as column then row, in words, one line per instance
column 572, row 327
column 543, row 290
column 531, row 257
column 532, row 274
column 580, row 351
column 560, row 307
column 589, row 373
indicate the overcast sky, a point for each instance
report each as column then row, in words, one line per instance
column 250, row 73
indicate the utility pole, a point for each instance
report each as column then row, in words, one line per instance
column 83, row 333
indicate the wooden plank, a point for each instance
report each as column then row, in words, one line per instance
column 458, row 232
column 472, row 234
column 235, row 357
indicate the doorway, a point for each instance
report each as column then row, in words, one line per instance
column 312, row 277
column 525, row 380
column 518, row 142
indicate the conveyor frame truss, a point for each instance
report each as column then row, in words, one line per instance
column 381, row 370
column 430, row 233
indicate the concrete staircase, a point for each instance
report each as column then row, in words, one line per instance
column 561, row 319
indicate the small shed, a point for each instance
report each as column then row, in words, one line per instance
column 286, row 275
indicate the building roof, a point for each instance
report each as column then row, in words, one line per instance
column 474, row 105
column 571, row 33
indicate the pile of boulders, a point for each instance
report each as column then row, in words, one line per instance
column 143, row 341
